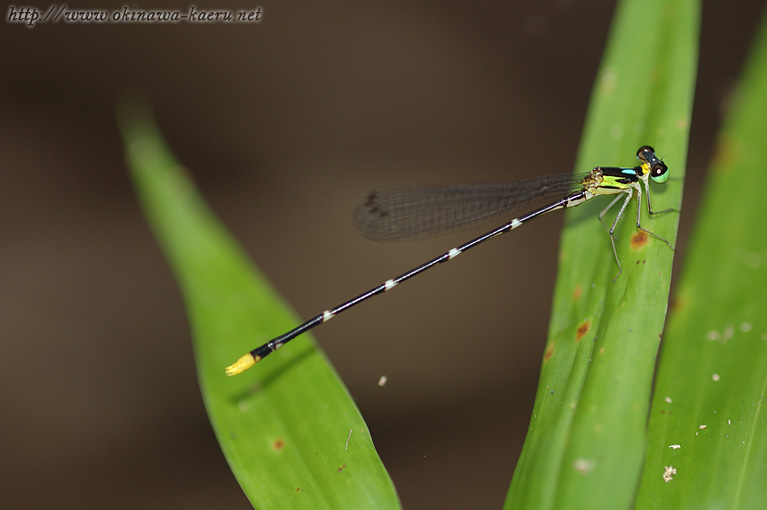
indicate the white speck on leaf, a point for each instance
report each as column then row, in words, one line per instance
column 669, row 473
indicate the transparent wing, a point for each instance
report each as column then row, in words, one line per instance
column 423, row 211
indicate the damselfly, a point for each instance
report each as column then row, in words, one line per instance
column 423, row 211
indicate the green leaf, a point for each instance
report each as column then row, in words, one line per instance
column 585, row 444
column 289, row 430
column 712, row 376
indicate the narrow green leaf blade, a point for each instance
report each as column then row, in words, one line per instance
column 288, row 428
column 586, row 438
column 712, row 377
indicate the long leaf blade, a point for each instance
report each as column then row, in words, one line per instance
column 289, row 430
column 586, row 438
column 712, row 376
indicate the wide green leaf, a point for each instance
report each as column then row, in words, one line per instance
column 586, row 440
column 708, row 430
column 289, row 429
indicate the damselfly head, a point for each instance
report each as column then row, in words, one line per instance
column 652, row 164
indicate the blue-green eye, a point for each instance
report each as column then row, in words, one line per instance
column 659, row 172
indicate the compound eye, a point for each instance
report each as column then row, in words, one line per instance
column 646, row 154
column 659, row 172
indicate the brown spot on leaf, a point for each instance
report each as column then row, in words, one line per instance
column 577, row 293
column 582, row 330
column 548, row 353
column 638, row 240
column 278, row 444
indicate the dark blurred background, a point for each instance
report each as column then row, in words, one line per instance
column 284, row 125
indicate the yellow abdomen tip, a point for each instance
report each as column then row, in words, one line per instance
column 240, row 365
